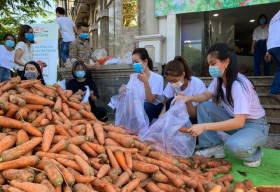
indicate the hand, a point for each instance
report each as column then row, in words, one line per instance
column 267, row 57
column 91, row 92
column 182, row 96
column 79, row 92
column 195, row 130
column 97, row 65
column 123, row 89
column 252, row 51
column 90, row 67
column 143, row 77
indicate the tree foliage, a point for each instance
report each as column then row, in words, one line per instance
column 13, row 13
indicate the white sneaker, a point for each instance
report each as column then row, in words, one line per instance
column 256, row 163
column 217, row 152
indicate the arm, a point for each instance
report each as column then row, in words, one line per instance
column 75, row 30
column 191, row 110
column 73, row 52
column 92, row 96
column 17, row 56
column 253, row 46
column 149, row 96
column 196, row 98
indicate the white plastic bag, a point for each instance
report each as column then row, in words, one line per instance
column 130, row 112
column 164, row 134
column 62, row 84
column 113, row 61
column 99, row 53
column 86, row 95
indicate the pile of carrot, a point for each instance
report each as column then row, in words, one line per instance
column 50, row 142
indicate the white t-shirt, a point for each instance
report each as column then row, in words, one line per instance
column 27, row 54
column 156, row 86
column 195, row 87
column 274, row 31
column 260, row 33
column 65, row 25
column 245, row 98
column 6, row 57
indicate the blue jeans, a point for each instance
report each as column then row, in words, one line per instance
column 259, row 53
column 244, row 143
column 64, row 51
column 275, row 87
column 5, row 74
column 152, row 110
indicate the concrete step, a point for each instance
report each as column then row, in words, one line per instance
column 262, row 88
column 266, row 100
column 272, row 110
column 274, row 124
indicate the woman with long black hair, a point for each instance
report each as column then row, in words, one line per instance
column 242, row 116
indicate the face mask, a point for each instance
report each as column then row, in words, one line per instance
column 84, row 36
column 262, row 21
column 29, row 36
column 10, row 43
column 177, row 85
column 30, row 75
column 215, row 72
column 138, row 67
column 80, row 74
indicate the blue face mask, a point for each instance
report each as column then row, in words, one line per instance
column 262, row 21
column 10, row 43
column 80, row 74
column 84, row 36
column 29, row 36
column 215, row 72
column 138, row 67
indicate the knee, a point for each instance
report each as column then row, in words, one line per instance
column 147, row 106
column 239, row 150
column 203, row 106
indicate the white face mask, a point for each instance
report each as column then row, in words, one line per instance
column 177, row 85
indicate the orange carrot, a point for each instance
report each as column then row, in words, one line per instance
column 104, row 170
column 34, row 107
column 52, row 172
column 65, row 119
column 140, row 175
column 6, row 106
column 89, row 132
column 32, row 115
column 10, row 84
column 152, row 187
column 112, row 128
column 82, row 187
column 60, row 92
column 78, row 128
column 48, row 184
column 75, row 106
column 38, row 120
column 57, row 138
column 174, row 178
column 144, row 167
column 95, row 164
column 109, row 141
column 42, row 154
column 123, row 149
column 7, row 142
column 39, row 177
column 2, row 113
column 68, row 93
column 227, row 177
column 80, row 178
column 35, row 99
column 163, row 157
column 87, row 115
column 247, row 183
column 9, row 188
column 86, row 168
column 131, row 185
column 23, row 161
column 77, row 140
column 128, row 159
column 268, row 188
column 11, row 113
column 13, row 99
column 61, row 131
column 123, row 179
column 45, row 90
column 124, row 140
column 167, row 187
column 69, row 163
column 45, row 122
column 113, row 173
column 29, row 187
column 62, row 144
column 97, row 148
column 159, row 177
column 88, row 150
column 113, row 161
column 68, row 176
column 21, row 114
column 32, row 130
column 77, row 151
column 48, row 137
column 82, row 132
column 48, row 112
column 76, row 116
column 122, row 162
column 18, row 174
column 20, row 150
column 72, row 133
column 65, row 110
column 37, row 92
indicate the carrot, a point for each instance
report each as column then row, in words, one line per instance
column 159, row 177
column 65, row 119
column 29, row 187
column 48, row 137
column 59, row 146
column 21, row 90
column 196, row 177
column 45, row 122
column 113, row 161
column 68, row 93
column 87, row 115
column 89, row 132
column 123, row 149
column 167, row 187
column 61, row 131
column 123, row 179
column 23, row 161
column 144, row 167
column 131, row 185
column 104, row 170
column 222, row 169
column 74, row 100
column 163, row 157
column 183, row 166
column 68, row 176
column 99, row 132
column 82, row 187
column 48, row 184
column 80, row 178
column 52, row 172
column 139, row 189
column 36, row 92
column 7, row 142
column 69, row 163
column 34, row 107
column 31, row 130
column 13, row 99
column 247, row 183
column 75, row 106
column 35, row 99
column 2, row 179
column 42, row 154
column 128, row 159
column 268, row 188
column 21, row 114
column 44, row 89
column 20, row 150
column 48, row 112
column 10, row 84
column 70, row 155
column 174, row 178
column 4, row 97
column 31, row 116
column 38, row 120
column 82, row 132
column 72, row 133
column 6, row 106
column 139, row 175
column 9, row 188
column 239, row 187
column 18, row 174
column 2, row 113
column 78, row 128
column 77, row 151
column 141, row 146
column 60, row 92
column 109, row 141
column 152, row 187
column 76, row 116
column 39, row 177
column 65, row 110
column 66, row 189
column 113, row 173
column 97, row 148
column 11, row 113
column 124, row 140
column 111, row 128
column 87, row 170
column 95, row 164
column 227, row 177
column 122, row 162
column 57, row 138
column 88, row 150
column 190, row 182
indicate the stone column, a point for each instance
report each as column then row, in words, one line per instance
column 151, row 25
column 172, row 37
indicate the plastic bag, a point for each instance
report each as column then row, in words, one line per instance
column 113, row 61
column 86, row 95
column 99, row 53
column 62, row 84
column 130, row 112
column 164, row 134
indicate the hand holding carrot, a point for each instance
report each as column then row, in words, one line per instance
column 194, row 130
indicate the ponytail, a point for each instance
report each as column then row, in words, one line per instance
column 177, row 66
column 143, row 54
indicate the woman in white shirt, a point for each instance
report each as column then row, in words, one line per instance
column 242, row 115
column 259, row 46
column 7, row 57
column 24, row 49
column 153, row 83
column 179, row 78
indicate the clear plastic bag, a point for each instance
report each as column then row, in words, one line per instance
column 62, row 84
column 164, row 134
column 99, row 53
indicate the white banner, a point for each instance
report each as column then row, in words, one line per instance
column 46, row 49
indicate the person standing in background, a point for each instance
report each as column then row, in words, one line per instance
column 259, row 46
column 7, row 57
column 273, row 49
column 67, row 29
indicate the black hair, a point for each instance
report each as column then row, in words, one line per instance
column 223, row 51
column 177, row 66
column 40, row 76
column 76, row 64
column 143, row 54
column 60, row 10
column 82, row 24
column 7, row 35
column 262, row 15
